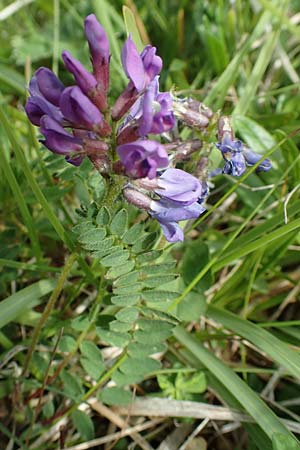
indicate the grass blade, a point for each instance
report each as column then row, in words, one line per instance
column 256, row 408
column 262, row 339
column 15, row 305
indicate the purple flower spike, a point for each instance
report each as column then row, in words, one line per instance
column 79, row 110
column 37, row 106
column 60, row 141
column 46, row 83
column 179, row 186
column 152, row 63
column 99, row 49
column 252, row 158
column 133, row 64
column 142, row 158
column 85, row 80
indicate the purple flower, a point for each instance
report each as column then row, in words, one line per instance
column 252, row 158
column 84, row 79
column 140, row 68
column 46, row 84
column 80, row 111
column 180, row 187
column 45, row 92
column 152, row 63
column 237, row 155
column 133, row 64
column 37, row 106
column 99, row 49
column 142, row 158
column 168, row 213
column 58, row 140
column 232, row 152
column 157, row 115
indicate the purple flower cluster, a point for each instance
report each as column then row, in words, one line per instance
column 235, row 154
column 126, row 138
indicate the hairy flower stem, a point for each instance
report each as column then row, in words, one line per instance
column 53, row 298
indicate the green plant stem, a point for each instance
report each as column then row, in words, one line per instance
column 53, row 298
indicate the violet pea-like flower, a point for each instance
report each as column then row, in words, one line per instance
column 99, row 49
column 232, row 152
column 168, row 213
column 37, row 106
column 140, row 68
column 156, row 111
column 142, row 158
column 84, row 79
column 180, row 187
column 59, row 141
column 80, row 111
column 252, row 158
column 45, row 91
column 46, row 84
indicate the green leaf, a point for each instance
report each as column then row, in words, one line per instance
column 103, row 248
column 125, row 300
column 83, row 424
column 119, row 327
column 129, row 278
column 48, row 409
column 134, row 287
column 124, row 379
column 141, row 366
column 93, row 367
column 115, row 396
column 139, row 350
column 83, row 227
column 132, row 28
column 151, row 338
column 92, row 237
column 15, row 305
column 113, row 338
column 157, row 268
column 192, row 307
column 159, row 280
column 115, row 259
column 116, row 272
column 128, row 315
column 80, row 323
column 283, row 442
column 134, row 233
column 119, row 223
column 91, row 351
column 72, row 385
column 144, row 243
column 159, row 296
column 103, row 216
column 148, row 256
column 67, row 344
column 195, row 258
column 194, row 384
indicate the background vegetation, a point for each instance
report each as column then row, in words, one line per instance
column 225, row 334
